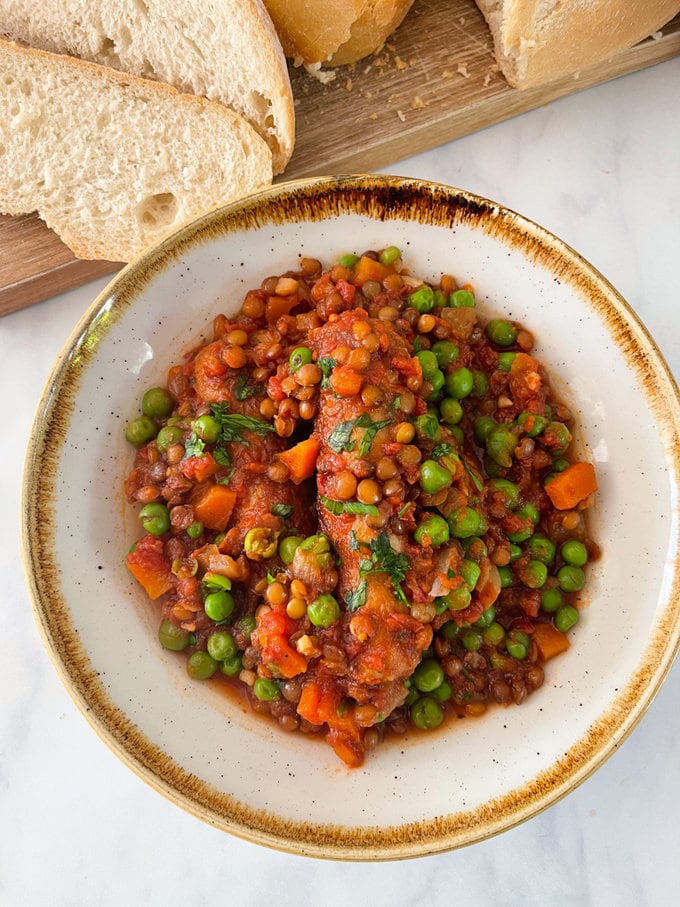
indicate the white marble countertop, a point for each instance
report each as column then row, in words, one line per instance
column 601, row 169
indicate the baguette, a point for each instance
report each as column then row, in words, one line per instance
column 225, row 50
column 112, row 162
column 539, row 41
column 317, row 32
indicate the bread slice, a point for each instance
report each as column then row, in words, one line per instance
column 539, row 41
column 112, row 162
column 320, row 31
column 225, row 50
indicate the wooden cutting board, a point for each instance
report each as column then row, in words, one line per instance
column 435, row 80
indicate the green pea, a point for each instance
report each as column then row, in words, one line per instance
column 450, row 411
column 493, row 635
column 464, row 522
column 509, row 490
column 522, row 534
column 195, row 530
column 155, row 518
column 157, row 403
column 560, row 464
column 557, row 437
column 246, row 625
column 141, row 430
column 506, row 575
column 266, row 690
column 571, row 578
column 566, row 618
column 169, row 434
column 535, row 574
column 446, row 353
column 449, row 630
column 541, row 548
column 500, row 443
column 427, row 427
column 531, row 424
column 428, row 363
column 301, row 355
column 461, row 299
column 458, row 599
column 487, row 618
column 323, row 611
column 426, row 713
column 551, row 599
column 232, row 666
column 505, row 361
column 501, row 332
column 201, row 665
column 459, row 383
column 349, row 260
column 389, row 255
column 473, row 640
column 207, row 428
column 529, row 511
column 517, row 644
column 219, row 605
column 482, row 428
column 470, row 571
column 221, row 645
column 443, row 692
column 574, row 553
column 288, row 546
column 480, row 383
column 428, row 675
column 515, row 552
column 433, row 477
column 216, row 581
column 437, row 381
column 171, row 637
column 432, row 531
column 457, row 433
column 422, row 299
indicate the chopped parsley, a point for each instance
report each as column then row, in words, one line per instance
column 383, row 559
column 441, row 450
column 340, row 437
column 338, row 507
column 355, row 598
column 326, row 364
column 232, row 425
column 473, row 475
column 243, row 389
column 282, row 510
column 194, row 446
column 221, row 456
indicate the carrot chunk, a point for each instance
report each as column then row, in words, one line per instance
column 149, row 566
column 550, row 641
column 369, row 269
column 213, row 506
column 572, row 485
column 301, row 459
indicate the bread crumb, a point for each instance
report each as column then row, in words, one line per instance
column 373, row 116
column 348, row 85
column 400, row 114
column 321, row 75
column 657, row 36
column 417, row 103
column 487, row 79
column 462, row 20
column 447, row 74
column 462, row 70
column 399, row 63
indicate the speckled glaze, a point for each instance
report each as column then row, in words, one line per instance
column 426, row 793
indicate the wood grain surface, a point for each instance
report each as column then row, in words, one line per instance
column 435, row 80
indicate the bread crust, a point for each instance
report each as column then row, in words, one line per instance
column 539, row 41
column 225, row 50
column 112, row 162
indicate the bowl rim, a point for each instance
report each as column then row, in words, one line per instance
column 392, row 195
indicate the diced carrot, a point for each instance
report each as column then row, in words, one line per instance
column 149, row 566
column 549, row 640
column 301, row 459
column 572, row 485
column 213, row 505
column 345, row 381
column 350, row 751
column 279, row 654
column 280, row 305
column 369, row 269
column 317, row 704
column 200, row 468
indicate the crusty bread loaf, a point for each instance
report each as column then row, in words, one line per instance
column 539, row 41
column 334, row 33
column 225, row 50
column 112, row 162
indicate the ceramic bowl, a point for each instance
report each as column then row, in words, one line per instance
column 423, row 794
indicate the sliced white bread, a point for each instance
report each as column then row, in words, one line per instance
column 539, row 41
column 225, row 50
column 112, row 162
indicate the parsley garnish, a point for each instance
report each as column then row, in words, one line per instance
column 372, row 428
column 193, row 446
column 384, row 559
column 441, row 450
column 282, row 510
column 338, row 507
column 473, row 475
column 355, row 598
column 326, row 364
column 221, row 456
column 232, row 425
column 339, row 439
column 243, row 389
